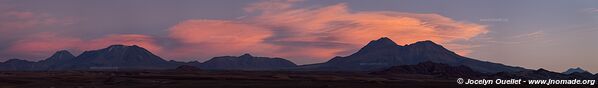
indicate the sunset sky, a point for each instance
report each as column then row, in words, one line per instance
column 551, row 34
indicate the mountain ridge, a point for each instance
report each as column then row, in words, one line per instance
column 380, row 54
column 247, row 62
column 574, row 70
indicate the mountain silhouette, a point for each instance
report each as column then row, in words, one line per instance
column 383, row 53
column 117, row 57
column 58, row 58
column 187, row 68
column 17, row 64
column 246, row 62
column 575, row 70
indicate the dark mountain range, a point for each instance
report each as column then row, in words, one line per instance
column 190, row 63
column 117, row 57
column 247, row 62
column 60, row 57
column 187, row 68
column 584, row 75
column 541, row 74
column 17, row 64
column 384, row 53
column 431, row 68
column 578, row 73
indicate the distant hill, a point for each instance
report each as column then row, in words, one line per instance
column 17, row 64
column 575, row 70
column 59, row 58
column 247, row 62
column 187, row 68
column 384, row 53
column 117, row 57
column 542, row 74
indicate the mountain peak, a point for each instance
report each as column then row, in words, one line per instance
column 542, row 70
column 381, row 43
column 61, row 55
column 384, row 41
column 574, row 70
column 120, row 47
column 246, row 62
column 425, row 43
column 14, row 60
column 246, row 55
column 63, row 52
column 130, row 57
column 116, row 46
column 428, row 45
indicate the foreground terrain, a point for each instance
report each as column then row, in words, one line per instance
column 225, row 79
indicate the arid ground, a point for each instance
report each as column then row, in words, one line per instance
column 225, row 79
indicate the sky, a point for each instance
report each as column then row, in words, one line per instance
column 550, row 34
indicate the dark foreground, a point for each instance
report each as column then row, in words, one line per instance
column 230, row 79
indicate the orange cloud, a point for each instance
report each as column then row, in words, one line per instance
column 217, row 37
column 337, row 21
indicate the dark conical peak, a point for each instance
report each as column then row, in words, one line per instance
column 542, row 70
column 116, row 46
column 120, row 46
column 135, row 46
column 62, row 52
column 383, row 42
column 575, row 70
column 246, row 55
column 578, row 68
column 425, row 43
column 16, row 61
column 429, row 45
column 61, row 55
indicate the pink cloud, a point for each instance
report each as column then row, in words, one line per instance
column 217, row 37
column 337, row 24
column 41, row 44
